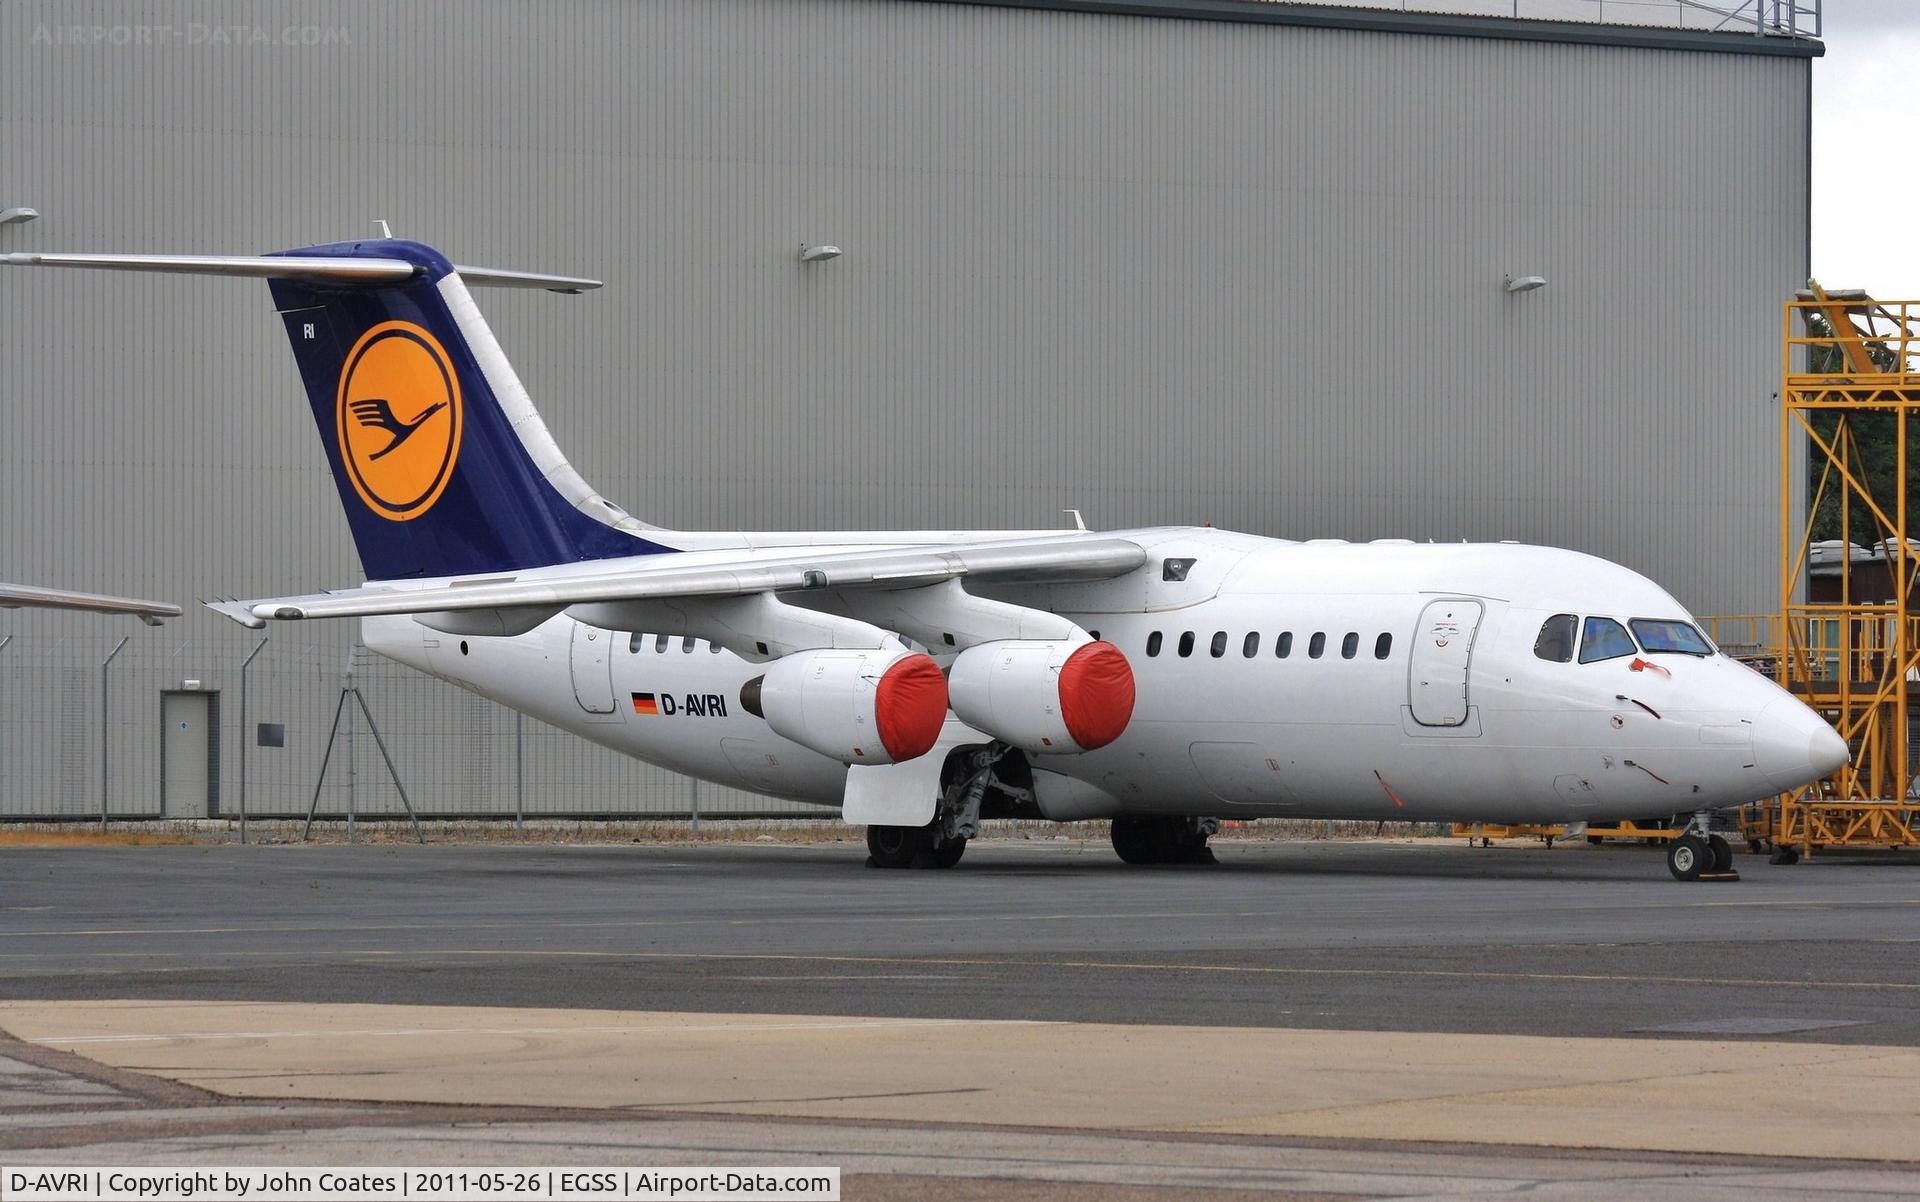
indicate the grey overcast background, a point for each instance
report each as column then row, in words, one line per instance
column 1866, row 167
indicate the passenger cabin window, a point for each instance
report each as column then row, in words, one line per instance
column 1153, row 644
column 1383, row 646
column 659, row 643
column 1219, row 647
column 1283, row 646
column 1317, row 645
column 1555, row 644
column 686, row 644
column 1250, row 646
column 1186, row 643
column 1350, row 646
column 1662, row 636
column 1605, row 638
column 633, row 643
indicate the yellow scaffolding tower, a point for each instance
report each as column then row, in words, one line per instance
column 1849, row 362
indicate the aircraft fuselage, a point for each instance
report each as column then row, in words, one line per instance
column 1390, row 681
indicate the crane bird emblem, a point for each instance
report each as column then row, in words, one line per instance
column 378, row 412
column 398, row 419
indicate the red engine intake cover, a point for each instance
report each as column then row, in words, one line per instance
column 910, row 706
column 1096, row 694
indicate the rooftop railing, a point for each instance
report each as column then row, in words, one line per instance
column 1762, row 18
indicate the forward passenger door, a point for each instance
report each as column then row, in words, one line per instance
column 1437, row 677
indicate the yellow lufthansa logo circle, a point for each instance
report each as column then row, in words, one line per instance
column 398, row 419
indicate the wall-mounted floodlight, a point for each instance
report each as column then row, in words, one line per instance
column 1526, row 283
column 17, row 215
column 818, row 254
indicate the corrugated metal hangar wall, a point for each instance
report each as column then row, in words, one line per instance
column 1158, row 268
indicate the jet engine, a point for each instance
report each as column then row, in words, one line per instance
column 1046, row 697
column 858, row 707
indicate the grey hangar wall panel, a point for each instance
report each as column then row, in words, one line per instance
column 1161, row 270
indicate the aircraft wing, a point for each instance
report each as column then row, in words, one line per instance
column 21, row 596
column 1065, row 558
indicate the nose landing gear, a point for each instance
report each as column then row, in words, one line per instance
column 1700, row 855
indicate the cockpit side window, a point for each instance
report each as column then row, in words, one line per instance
column 1670, row 635
column 1555, row 643
column 1605, row 639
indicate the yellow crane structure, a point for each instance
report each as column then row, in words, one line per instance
column 1849, row 647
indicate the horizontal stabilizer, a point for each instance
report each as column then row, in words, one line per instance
column 338, row 271
column 260, row 267
column 495, row 277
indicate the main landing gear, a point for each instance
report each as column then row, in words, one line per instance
column 1700, row 855
column 969, row 775
column 1164, row 840
column 912, row 847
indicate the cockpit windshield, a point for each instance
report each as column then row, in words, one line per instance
column 1555, row 642
column 1670, row 636
column 1604, row 638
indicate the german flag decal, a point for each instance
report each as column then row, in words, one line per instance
column 643, row 703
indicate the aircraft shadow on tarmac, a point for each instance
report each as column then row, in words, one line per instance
column 1436, row 860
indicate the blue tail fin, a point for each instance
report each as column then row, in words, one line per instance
column 443, row 465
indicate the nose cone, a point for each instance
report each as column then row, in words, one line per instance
column 1827, row 751
column 1793, row 746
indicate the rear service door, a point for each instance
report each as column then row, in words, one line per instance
column 592, row 668
column 1442, row 654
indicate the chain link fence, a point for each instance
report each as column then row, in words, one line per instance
column 150, row 728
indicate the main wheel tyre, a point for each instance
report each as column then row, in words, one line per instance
column 948, row 853
column 1187, row 845
column 1139, row 841
column 896, row 846
column 1688, row 857
column 1722, row 853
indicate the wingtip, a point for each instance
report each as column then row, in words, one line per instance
column 237, row 611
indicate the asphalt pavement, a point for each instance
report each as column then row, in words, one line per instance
column 1302, row 1020
column 1415, row 936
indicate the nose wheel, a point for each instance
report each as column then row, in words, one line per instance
column 1697, row 857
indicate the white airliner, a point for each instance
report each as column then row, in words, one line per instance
column 26, row 596
column 1161, row 678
